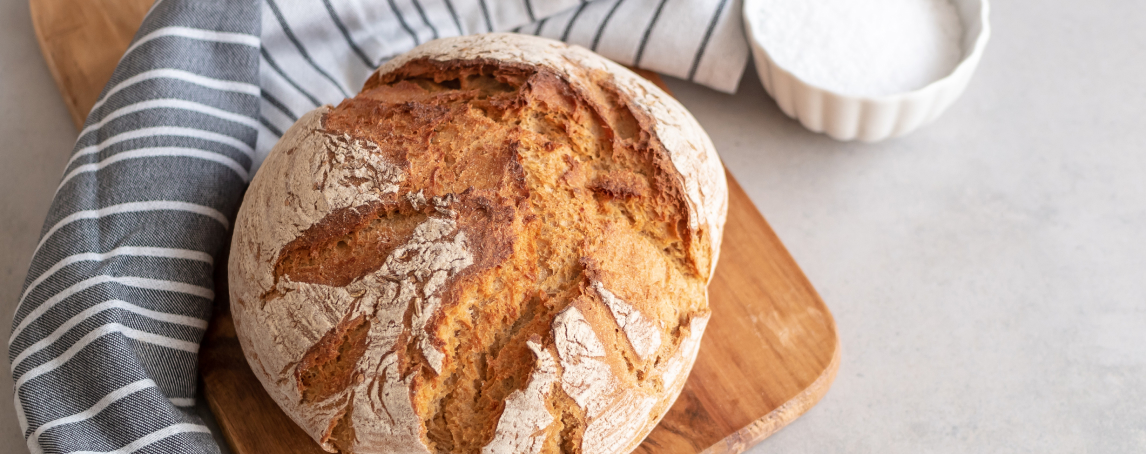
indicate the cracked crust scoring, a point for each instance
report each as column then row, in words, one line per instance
column 523, row 430
column 290, row 326
column 689, row 147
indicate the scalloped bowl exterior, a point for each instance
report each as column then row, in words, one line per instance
column 871, row 119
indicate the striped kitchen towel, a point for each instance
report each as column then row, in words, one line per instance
column 105, row 339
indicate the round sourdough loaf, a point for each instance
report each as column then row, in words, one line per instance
column 501, row 245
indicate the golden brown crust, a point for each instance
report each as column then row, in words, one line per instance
column 482, row 253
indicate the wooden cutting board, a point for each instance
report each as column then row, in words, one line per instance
column 769, row 354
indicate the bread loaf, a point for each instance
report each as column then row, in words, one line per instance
column 502, row 244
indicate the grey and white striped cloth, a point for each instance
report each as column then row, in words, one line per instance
column 105, row 339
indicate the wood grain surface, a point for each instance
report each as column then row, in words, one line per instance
column 769, row 354
column 82, row 41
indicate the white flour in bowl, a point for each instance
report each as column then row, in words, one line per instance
column 861, row 47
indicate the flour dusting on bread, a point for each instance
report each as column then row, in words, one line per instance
column 526, row 413
column 585, row 376
column 429, row 258
column 353, row 173
column 642, row 334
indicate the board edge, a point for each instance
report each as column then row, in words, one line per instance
column 785, row 414
column 37, row 16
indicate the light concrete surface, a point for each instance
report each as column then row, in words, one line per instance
column 987, row 273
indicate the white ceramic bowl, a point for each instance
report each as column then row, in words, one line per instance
column 867, row 118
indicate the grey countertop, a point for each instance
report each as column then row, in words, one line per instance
column 987, row 272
